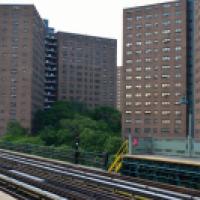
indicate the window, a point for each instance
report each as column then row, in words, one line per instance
column 148, row 51
column 165, row 67
column 138, row 121
column 178, row 76
column 128, row 95
column 148, row 42
column 178, row 84
column 166, row 14
column 165, row 85
column 138, row 69
column 138, row 17
column 178, row 21
column 148, row 103
column 167, row 49
column 177, row 112
column 166, row 121
column 138, row 52
column 166, row 40
column 148, row 34
column 129, row 53
column 128, row 121
column 138, row 35
column 166, row 31
column 148, row 59
column 138, row 26
column 147, row 94
column 177, row 57
column 178, row 30
column 129, row 44
column 148, row 86
column 128, row 103
column 129, row 18
column 128, row 112
column 138, row 43
column 138, row 86
column 138, row 103
column 147, row 77
column 166, row 58
column 129, row 27
column 165, row 76
column 129, row 70
column 177, row 94
column 138, row 60
column 166, row 112
column 147, row 68
column 129, row 61
column 166, row 5
column 165, row 94
column 148, row 16
column 178, row 48
column 138, row 112
column 128, row 87
column 164, row 130
column 147, row 112
column 138, row 95
column 128, row 78
column 164, row 103
column 165, row 23
column 138, row 77
column 148, row 25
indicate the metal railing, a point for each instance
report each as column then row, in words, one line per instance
column 94, row 159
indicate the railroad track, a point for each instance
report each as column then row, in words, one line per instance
column 68, row 181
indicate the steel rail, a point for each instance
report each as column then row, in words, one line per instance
column 123, row 185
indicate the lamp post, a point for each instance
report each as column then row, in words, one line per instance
column 129, row 143
column 183, row 100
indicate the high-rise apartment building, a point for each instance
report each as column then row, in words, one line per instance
column 119, row 87
column 156, row 70
column 21, row 64
column 51, row 68
column 87, row 69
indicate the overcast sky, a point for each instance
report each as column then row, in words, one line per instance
column 92, row 17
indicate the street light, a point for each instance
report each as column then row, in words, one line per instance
column 183, row 100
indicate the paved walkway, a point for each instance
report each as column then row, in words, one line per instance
column 4, row 196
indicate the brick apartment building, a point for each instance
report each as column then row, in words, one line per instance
column 87, row 69
column 161, row 70
column 21, row 64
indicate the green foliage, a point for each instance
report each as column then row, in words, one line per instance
column 110, row 116
column 14, row 128
column 97, row 130
column 60, row 110
column 113, row 144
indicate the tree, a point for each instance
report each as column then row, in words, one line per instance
column 15, row 128
column 59, row 110
column 49, row 136
column 113, row 144
column 110, row 116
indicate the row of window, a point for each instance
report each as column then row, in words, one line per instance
column 148, row 94
column 164, row 112
column 148, row 103
column 164, row 67
column 163, row 85
column 164, row 58
column 164, row 76
column 146, row 51
column 155, row 130
column 149, row 121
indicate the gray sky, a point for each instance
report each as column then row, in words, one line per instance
column 92, row 17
